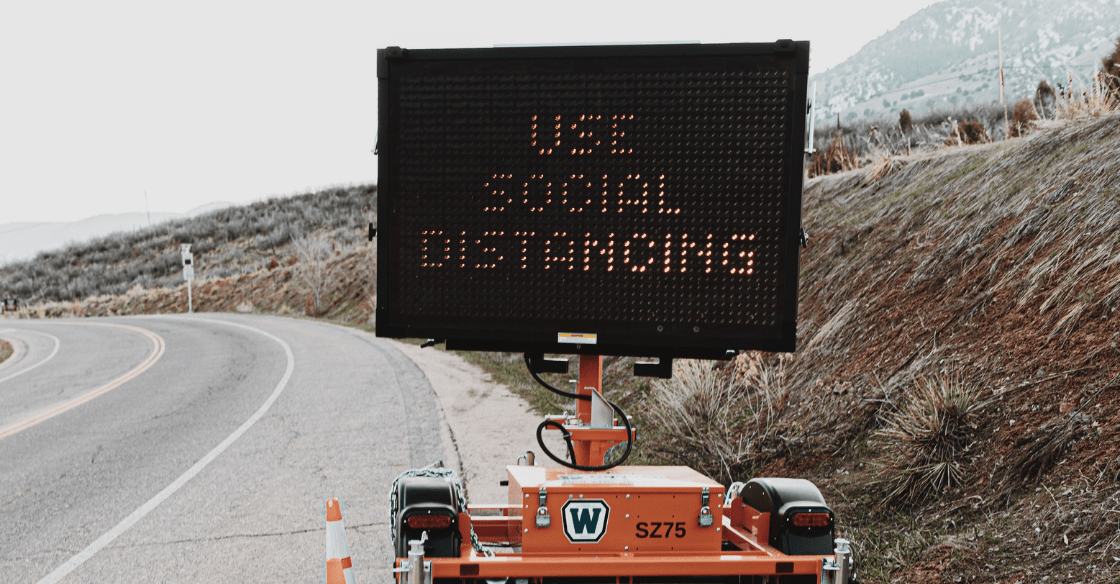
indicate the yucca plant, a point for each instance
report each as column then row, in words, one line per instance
column 928, row 438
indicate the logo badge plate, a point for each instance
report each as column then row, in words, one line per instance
column 585, row 520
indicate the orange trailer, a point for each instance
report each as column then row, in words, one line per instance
column 626, row 524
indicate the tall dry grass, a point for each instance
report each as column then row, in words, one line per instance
column 1094, row 99
column 719, row 421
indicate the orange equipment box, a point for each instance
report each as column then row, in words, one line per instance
column 634, row 509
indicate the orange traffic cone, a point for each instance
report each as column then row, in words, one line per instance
column 339, row 569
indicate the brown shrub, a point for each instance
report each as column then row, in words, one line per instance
column 838, row 157
column 1023, row 117
column 273, row 263
column 1111, row 65
column 1047, row 99
column 905, row 122
column 967, row 133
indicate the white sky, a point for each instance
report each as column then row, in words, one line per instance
column 201, row 101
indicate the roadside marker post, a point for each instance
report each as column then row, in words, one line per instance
column 188, row 272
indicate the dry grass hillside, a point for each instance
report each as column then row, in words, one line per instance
column 955, row 390
column 226, row 243
column 956, row 379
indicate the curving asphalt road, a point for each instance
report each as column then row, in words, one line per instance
column 202, row 447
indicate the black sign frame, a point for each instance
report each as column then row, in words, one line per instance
column 400, row 283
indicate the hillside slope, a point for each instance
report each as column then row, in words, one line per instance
column 996, row 266
column 226, row 242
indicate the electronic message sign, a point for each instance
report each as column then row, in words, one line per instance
column 627, row 200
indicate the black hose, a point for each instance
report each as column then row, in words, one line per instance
column 564, row 431
column 557, row 391
column 568, row 435
column 571, row 449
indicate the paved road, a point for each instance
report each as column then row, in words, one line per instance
column 153, row 449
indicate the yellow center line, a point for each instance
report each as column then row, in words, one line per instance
column 157, row 351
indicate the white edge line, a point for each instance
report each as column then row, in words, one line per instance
column 73, row 563
column 57, row 344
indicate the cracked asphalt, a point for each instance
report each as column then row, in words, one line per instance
column 354, row 413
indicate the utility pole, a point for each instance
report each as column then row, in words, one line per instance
column 1002, row 94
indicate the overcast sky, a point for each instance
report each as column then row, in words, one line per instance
column 195, row 102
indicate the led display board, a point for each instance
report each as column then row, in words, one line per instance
column 628, row 200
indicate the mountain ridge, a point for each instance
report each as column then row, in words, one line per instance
column 945, row 55
column 22, row 240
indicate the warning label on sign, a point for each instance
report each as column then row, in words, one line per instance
column 577, row 338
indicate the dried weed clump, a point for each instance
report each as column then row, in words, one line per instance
column 718, row 422
column 881, row 167
column 905, row 126
column 968, row 133
column 928, row 438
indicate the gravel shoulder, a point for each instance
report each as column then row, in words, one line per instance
column 490, row 426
